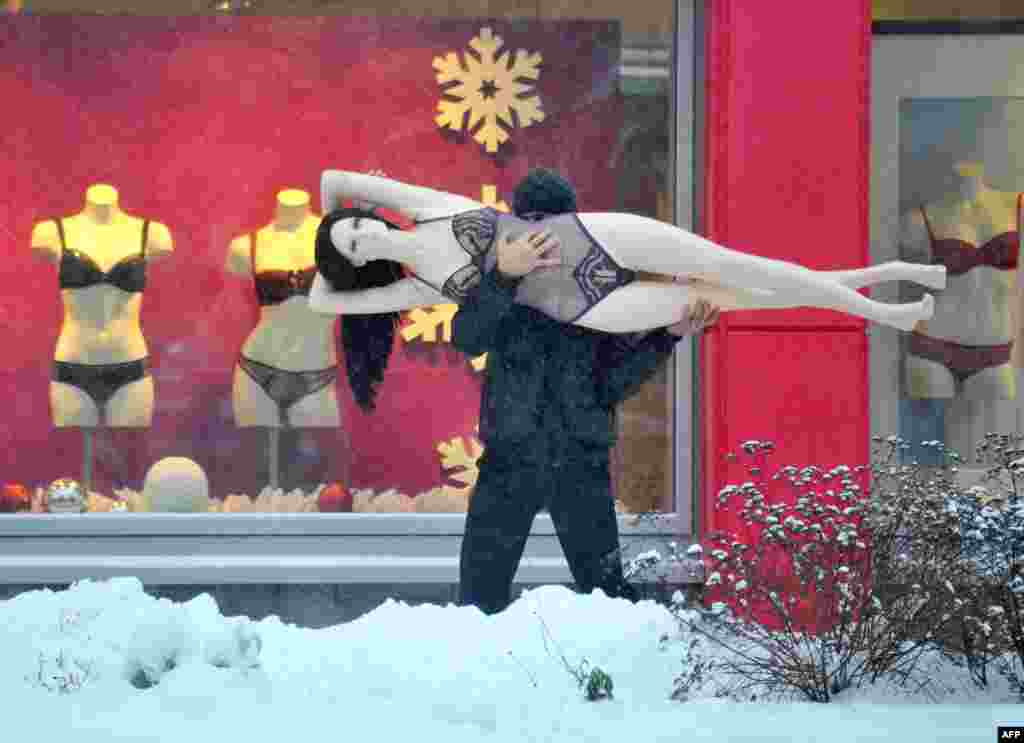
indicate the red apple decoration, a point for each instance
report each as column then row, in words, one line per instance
column 335, row 499
column 15, row 497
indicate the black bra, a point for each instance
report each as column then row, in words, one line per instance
column 274, row 286
column 79, row 271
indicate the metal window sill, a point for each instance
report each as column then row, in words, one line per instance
column 180, row 549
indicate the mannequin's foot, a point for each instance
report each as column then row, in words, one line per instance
column 934, row 277
column 906, row 316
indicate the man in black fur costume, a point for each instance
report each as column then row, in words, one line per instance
column 547, row 419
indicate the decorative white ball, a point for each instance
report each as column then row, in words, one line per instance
column 176, row 485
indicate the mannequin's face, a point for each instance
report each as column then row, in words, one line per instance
column 358, row 239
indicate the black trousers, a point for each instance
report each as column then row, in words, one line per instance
column 510, row 491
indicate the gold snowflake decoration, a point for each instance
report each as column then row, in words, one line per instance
column 458, row 456
column 434, row 325
column 488, row 88
column 489, row 195
column 430, row 324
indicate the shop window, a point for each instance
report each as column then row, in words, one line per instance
column 948, row 173
column 163, row 197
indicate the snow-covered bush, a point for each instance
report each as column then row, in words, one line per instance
column 990, row 523
column 697, row 671
column 827, row 582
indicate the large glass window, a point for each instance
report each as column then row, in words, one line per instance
column 162, row 165
column 948, row 174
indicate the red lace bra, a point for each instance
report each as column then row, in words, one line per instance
column 959, row 256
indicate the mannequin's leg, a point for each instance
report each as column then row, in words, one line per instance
column 646, row 244
column 927, row 379
column 646, row 305
column 132, row 405
column 72, row 407
column 252, row 405
column 318, row 409
column 994, row 383
column 933, row 277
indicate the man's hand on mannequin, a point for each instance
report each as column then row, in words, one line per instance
column 517, row 257
column 701, row 316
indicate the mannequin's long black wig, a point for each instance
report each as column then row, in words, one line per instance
column 367, row 340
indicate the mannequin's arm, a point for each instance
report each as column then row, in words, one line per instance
column 1016, row 316
column 404, row 294
column 1017, row 305
column 46, row 242
column 158, row 241
column 915, row 242
column 239, row 261
column 416, row 202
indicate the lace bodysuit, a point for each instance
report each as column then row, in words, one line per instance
column 586, row 275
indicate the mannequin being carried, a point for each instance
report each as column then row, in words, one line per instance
column 286, row 371
column 101, row 372
column 974, row 231
column 586, row 264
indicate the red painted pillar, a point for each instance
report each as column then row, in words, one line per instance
column 787, row 176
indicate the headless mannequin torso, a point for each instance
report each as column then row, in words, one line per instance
column 976, row 314
column 290, row 343
column 101, row 346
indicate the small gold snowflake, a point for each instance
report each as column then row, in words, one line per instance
column 489, row 196
column 430, row 324
column 434, row 325
column 458, row 457
column 488, row 88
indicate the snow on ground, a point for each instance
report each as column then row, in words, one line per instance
column 401, row 673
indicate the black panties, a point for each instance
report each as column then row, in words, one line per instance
column 100, row 381
column 286, row 388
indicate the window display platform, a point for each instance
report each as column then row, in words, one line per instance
column 281, row 548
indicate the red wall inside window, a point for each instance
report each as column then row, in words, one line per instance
column 199, row 121
column 787, row 176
